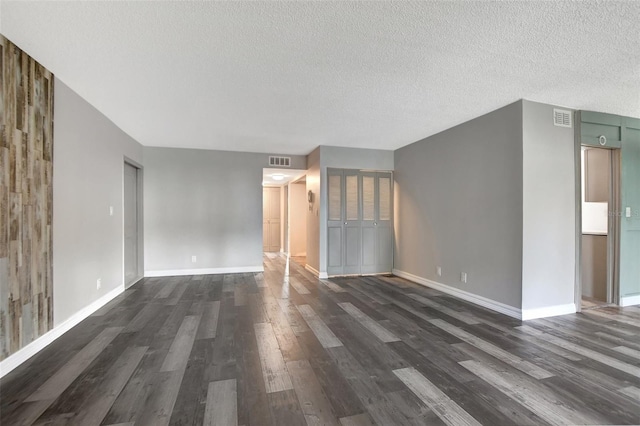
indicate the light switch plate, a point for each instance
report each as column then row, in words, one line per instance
column 628, row 212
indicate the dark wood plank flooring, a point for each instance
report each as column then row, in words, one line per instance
column 283, row 348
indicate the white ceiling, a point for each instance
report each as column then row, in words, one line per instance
column 284, row 77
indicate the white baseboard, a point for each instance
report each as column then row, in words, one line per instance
column 204, row 271
column 548, row 311
column 17, row 358
column 630, row 300
column 314, row 271
column 464, row 295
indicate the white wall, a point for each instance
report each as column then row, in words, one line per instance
column 88, row 173
column 549, row 213
column 458, row 205
column 298, row 207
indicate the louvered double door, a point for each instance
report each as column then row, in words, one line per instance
column 359, row 226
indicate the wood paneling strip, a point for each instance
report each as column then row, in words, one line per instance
column 26, row 202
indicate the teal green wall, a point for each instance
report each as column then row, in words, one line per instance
column 622, row 132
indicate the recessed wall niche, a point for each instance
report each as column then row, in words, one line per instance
column 26, row 199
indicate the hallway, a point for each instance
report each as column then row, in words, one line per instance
column 270, row 348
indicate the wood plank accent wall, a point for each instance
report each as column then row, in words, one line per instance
column 26, row 199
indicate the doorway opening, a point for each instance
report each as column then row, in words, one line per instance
column 599, row 239
column 297, row 232
column 132, row 224
column 284, row 213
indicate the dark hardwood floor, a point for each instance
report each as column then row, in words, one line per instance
column 269, row 349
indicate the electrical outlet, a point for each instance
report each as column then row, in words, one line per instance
column 110, row 210
column 463, row 277
column 193, row 259
column 98, row 283
column 439, row 271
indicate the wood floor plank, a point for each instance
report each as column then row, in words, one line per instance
column 53, row 387
column 285, row 409
column 632, row 392
column 628, row 351
column 333, row 286
column 314, row 404
column 298, row 286
column 274, row 370
column 222, row 400
column 514, row 361
column 541, row 403
column 178, row 355
column 97, row 405
column 450, row 412
column 326, row 352
column 323, row 333
column 159, row 405
column 357, row 420
column 461, row 316
column 168, row 286
column 589, row 353
column 376, row 329
column 614, row 317
column 378, row 406
column 209, row 322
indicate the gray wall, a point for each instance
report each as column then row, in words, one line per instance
column 206, row 204
column 298, row 220
column 88, row 163
column 344, row 158
column 549, row 210
column 458, row 205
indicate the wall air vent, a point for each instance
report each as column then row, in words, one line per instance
column 561, row 117
column 280, row 161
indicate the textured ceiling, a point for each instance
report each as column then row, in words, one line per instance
column 284, row 77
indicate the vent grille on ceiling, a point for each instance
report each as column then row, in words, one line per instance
column 280, row 161
column 561, row 117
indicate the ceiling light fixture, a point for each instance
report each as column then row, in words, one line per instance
column 277, row 176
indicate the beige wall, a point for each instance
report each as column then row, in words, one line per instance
column 298, row 208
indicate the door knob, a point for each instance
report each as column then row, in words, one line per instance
column 345, row 223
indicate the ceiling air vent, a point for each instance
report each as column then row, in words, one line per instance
column 280, row 161
column 561, row 118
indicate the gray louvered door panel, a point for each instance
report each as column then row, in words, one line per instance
column 335, row 226
column 369, row 243
column 359, row 234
